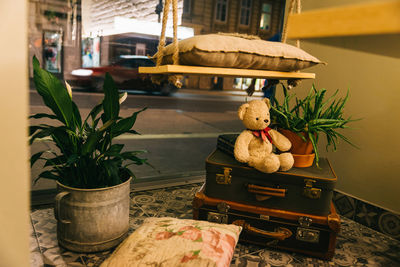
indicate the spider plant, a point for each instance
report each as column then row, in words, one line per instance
column 85, row 156
column 313, row 115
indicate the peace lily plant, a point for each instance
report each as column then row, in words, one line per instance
column 86, row 157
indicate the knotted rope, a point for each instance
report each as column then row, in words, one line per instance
column 174, row 79
column 291, row 83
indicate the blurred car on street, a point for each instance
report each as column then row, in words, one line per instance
column 125, row 74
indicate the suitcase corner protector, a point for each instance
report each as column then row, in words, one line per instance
column 334, row 222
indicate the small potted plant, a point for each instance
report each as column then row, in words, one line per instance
column 304, row 120
column 92, row 174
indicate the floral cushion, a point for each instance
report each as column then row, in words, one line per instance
column 177, row 242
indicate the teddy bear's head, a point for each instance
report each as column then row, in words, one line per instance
column 255, row 114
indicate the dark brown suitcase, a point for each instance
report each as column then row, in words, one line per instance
column 226, row 143
column 306, row 190
column 298, row 232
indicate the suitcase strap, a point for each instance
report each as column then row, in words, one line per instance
column 263, row 192
column 280, row 233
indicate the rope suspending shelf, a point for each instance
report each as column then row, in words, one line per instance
column 175, row 69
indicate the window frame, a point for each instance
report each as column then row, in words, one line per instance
column 249, row 9
column 216, row 19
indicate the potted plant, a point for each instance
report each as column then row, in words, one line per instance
column 92, row 174
column 304, row 120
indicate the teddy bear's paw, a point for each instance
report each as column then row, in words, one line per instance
column 286, row 161
column 267, row 165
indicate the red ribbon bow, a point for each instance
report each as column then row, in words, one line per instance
column 263, row 134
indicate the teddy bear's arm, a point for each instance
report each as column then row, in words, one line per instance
column 280, row 141
column 241, row 150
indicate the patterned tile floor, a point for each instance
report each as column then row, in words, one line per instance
column 356, row 245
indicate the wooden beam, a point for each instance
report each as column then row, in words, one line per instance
column 225, row 72
column 361, row 19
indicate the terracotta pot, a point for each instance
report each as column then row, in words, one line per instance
column 301, row 150
column 303, row 161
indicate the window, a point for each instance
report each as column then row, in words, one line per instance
column 52, row 46
column 140, row 49
column 266, row 12
column 221, row 10
column 186, row 6
column 245, row 11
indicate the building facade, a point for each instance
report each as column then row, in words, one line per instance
column 263, row 18
column 54, row 35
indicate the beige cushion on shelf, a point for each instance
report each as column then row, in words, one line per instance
column 176, row 242
column 216, row 50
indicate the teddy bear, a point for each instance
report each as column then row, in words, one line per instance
column 254, row 145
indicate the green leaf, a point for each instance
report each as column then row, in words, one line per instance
column 54, row 94
column 314, row 143
column 90, row 144
column 41, row 134
column 36, row 156
column 72, row 158
column 106, row 125
column 94, row 112
column 196, row 252
column 43, row 115
column 47, row 175
column 132, row 156
column 114, row 150
column 77, row 116
column 126, row 124
column 65, row 139
column 132, row 132
column 34, row 128
column 58, row 160
column 111, row 99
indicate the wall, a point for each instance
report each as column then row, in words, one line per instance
column 14, row 201
column 369, row 66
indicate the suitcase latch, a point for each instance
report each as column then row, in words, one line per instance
column 221, row 216
column 305, row 221
column 217, row 217
column 307, row 235
column 309, row 191
column 225, row 178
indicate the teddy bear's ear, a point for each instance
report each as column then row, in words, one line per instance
column 266, row 100
column 242, row 110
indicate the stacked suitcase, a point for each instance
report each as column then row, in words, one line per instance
column 288, row 210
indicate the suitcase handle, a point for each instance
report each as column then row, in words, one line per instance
column 266, row 191
column 280, row 233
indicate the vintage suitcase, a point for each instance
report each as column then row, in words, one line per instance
column 226, row 143
column 307, row 190
column 309, row 234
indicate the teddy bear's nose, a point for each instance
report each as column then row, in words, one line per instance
column 266, row 121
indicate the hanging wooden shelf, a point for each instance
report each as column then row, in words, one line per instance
column 358, row 19
column 225, row 72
